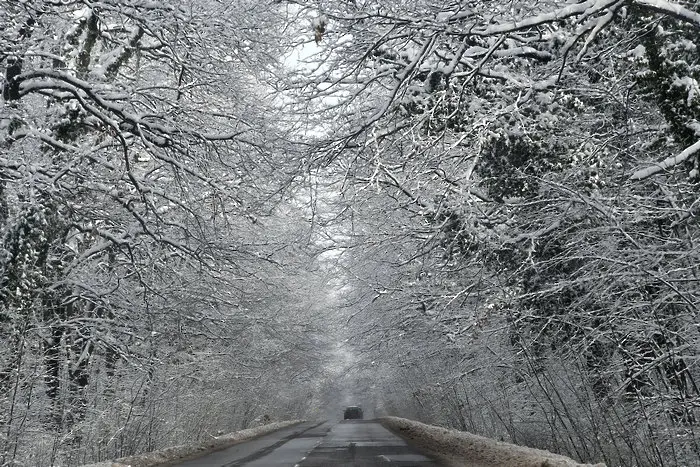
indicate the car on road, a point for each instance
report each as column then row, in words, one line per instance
column 352, row 412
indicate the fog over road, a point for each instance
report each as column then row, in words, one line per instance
column 314, row 444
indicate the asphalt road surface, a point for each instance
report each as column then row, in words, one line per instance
column 348, row 443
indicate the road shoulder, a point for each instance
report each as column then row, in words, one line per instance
column 177, row 454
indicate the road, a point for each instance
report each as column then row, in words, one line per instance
column 363, row 443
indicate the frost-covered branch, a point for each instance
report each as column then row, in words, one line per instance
column 667, row 163
column 671, row 9
column 579, row 9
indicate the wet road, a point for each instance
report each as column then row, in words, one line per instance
column 349, row 443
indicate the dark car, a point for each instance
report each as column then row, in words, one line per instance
column 352, row 412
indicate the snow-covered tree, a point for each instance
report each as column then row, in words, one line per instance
column 142, row 163
column 546, row 155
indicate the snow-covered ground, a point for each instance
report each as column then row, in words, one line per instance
column 179, row 453
column 462, row 449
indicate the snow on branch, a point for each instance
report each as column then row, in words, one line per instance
column 666, row 163
column 671, row 9
column 585, row 8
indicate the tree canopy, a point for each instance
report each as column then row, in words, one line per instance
column 480, row 214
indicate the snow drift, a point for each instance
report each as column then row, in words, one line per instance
column 462, row 449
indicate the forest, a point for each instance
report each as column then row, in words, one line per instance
column 477, row 214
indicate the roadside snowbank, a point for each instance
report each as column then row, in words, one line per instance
column 175, row 454
column 462, row 449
